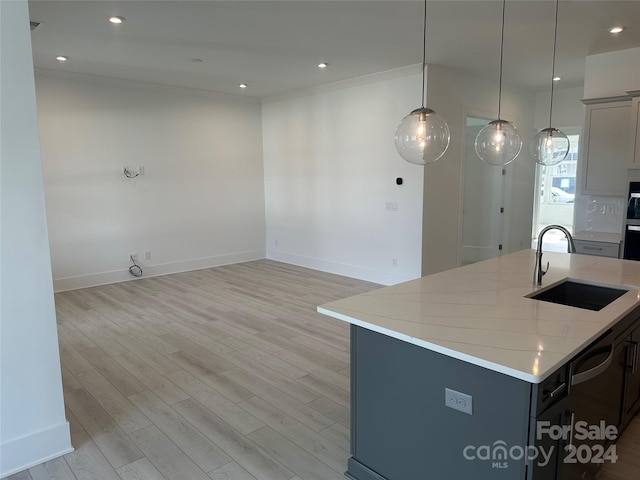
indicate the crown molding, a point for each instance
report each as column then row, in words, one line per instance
column 617, row 98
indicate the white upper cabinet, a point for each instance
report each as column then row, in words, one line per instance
column 606, row 141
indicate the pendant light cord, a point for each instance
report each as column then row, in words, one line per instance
column 504, row 5
column 553, row 62
column 424, row 50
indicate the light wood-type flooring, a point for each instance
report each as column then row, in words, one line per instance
column 628, row 450
column 219, row 374
column 223, row 373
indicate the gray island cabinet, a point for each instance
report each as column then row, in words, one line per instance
column 459, row 375
column 401, row 428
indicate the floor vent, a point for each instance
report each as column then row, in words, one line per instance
column 34, row 25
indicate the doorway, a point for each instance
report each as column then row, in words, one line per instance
column 555, row 199
column 482, row 203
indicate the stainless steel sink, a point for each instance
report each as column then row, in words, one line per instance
column 580, row 295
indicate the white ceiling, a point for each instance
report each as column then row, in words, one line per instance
column 274, row 46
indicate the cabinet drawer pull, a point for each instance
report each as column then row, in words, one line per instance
column 573, row 418
column 592, row 248
column 593, row 372
column 633, row 362
column 556, row 391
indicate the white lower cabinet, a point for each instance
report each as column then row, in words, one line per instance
column 602, row 249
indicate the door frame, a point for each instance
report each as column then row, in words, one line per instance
column 482, row 114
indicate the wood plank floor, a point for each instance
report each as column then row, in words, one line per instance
column 219, row 374
column 628, row 450
column 224, row 373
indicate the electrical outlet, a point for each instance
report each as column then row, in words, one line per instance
column 147, row 255
column 394, row 262
column 458, row 401
column 133, row 256
column 391, row 207
column 600, row 208
column 141, row 170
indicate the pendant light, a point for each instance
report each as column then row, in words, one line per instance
column 499, row 143
column 422, row 136
column 551, row 146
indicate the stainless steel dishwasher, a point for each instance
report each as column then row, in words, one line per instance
column 595, row 399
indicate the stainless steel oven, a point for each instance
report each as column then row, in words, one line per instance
column 632, row 224
column 632, row 240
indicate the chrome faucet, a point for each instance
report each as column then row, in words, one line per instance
column 538, row 272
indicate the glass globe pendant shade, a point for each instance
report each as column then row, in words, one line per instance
column 550, row 147
column 498, row 143
column 422, row 136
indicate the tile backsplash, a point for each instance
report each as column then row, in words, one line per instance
column 599, row 213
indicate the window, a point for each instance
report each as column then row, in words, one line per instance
column 556, row 188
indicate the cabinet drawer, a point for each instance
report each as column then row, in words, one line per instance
column 602, row 249
column 551, row 391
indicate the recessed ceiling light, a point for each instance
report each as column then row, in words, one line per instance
column 557, row 79
column 62, row 58
column 116, row 20
column 243, row 85
column 323, row 65
column 616, row 29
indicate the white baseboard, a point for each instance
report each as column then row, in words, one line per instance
column 103, row 278
column 338, row 268
column 34, row 449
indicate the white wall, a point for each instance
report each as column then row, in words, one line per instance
column 330, row 168
column 612, row 74
column 454, row 95
column 200, row 202
column 568, row 109
column 33, row 427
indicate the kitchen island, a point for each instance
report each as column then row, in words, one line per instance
column 473, row 331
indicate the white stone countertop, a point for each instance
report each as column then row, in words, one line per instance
column 598, row 236
column 479, row 313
